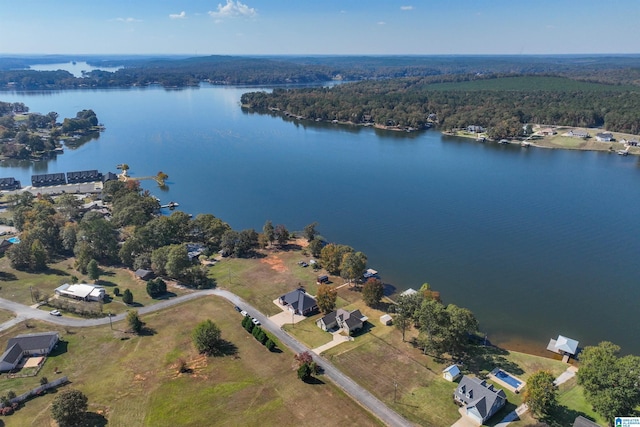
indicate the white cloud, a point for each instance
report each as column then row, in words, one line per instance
column 382, row 23
column 128, row 20
column 233, row 8
column 406, row 7
column 180, row 15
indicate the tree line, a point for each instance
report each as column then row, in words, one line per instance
column 504, row 104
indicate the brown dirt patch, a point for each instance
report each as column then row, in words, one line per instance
column 275, row 262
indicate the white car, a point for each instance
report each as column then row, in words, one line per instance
column 55, row 313
column 244, row 313
column 255, row 321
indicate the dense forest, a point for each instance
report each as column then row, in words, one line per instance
column 503, row 103
column 172, row 71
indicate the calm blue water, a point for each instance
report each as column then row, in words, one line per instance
column 536, row 242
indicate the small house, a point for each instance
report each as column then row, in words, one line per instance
column 9, row 184
column 604, row 137
column 408, row 292
column 145, row 275
column 299, row 302
column 479, row 400
column 350, row 321
column 451, row 373
column 578, row 133
column 81, row 291
column 39, row 344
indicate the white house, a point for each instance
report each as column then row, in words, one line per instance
column 81, row 291
column 39, row 344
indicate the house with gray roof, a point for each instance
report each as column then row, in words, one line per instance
column 479, row 399
column 39, row 344
column 604, row 137
column 350, row 321
column 581, row 421
column 299, row 302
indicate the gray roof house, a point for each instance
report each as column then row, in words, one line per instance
column 299, row 302
column 581, row 421
column 39, row 344
column 350, row 321
column 604, row 137
column 480, row 401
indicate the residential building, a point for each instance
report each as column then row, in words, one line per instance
column 349, row 321
column 479, row 399
column 39, row 344
column 299, row 302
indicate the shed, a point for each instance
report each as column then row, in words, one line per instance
column 385, row 319
column 144, row 274
column 451, row 373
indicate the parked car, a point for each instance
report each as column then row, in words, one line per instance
column 244, row 313
column 55, row 313
column 255, row 321
column 237, row 308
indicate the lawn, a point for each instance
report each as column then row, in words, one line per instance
column 308, row 333
column 19, row 285
column 275, row 273
column 133, row 380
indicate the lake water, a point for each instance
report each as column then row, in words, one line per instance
column 75, row 68
column 536, row 242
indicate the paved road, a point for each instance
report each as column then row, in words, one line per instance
column 366, row 399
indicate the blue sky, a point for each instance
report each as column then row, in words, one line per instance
column 369, row 27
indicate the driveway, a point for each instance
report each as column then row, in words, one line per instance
column 286, row 317
column 337, row 340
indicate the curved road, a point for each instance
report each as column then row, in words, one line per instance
column 366, row 399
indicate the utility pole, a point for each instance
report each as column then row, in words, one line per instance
column 110, row 324
column 395, row 390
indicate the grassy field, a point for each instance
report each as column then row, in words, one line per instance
column 18, row 285
column 275, row 273
column 133, row 380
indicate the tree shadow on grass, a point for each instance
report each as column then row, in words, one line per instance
column 92, row 419
column 165, row 296
column 6, row 277
column 147, row 332
column 56, row 271
column 485, row 358
column 225, row 348
column 59, row 349
column 313, row 381
column 107, row 283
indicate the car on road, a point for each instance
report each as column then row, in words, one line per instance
column 237, row 308
column 255, row 321
column 244, row 313
column 55, row 313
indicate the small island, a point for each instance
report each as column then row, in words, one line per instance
column 27, row 135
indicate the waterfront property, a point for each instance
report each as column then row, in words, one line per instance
column 604, row 137
column 577, row 133
column 81, row 291
column 564, row 346
column 299, row 302
column 9, row 184
column 46, row 179
column 27, row 345
column 480, row 401
column 349, row 321
column 83, row 176
column 4, row 245
column 507, row 380
column 451, row 373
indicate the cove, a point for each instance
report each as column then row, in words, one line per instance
column 535, row 242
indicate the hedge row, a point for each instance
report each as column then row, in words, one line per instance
column 258, row 333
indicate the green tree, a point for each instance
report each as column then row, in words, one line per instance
column 332, row 255
column 353, row 266
column 433, row 320
column 177, row 261
column 610, row 382
column 304, row 372
column 310, row 231
column 127, row 297
column 206, row 338
column 269, row 232
column 402, row 322
column 133, row 320
column 93, row 271
column 38, row 256
column 541, row 394
column 315, row 247
column 460, row 324
column 372, row 292
column 69, row 407
column 156, row 287
column 326, row 298
column 281, row 234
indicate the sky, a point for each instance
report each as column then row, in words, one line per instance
column 319, row 27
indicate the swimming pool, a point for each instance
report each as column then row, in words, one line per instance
column 14, row 239
column 503, row 376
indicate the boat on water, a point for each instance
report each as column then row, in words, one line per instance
column 623, row 152
column 170, row 205
column 503, row 141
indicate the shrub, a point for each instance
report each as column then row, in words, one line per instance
column 156, row 287
column 270, row 344
column 127, row 297
column 11, row 394
column 7, row 410
column 44, row 381
column 116, row 291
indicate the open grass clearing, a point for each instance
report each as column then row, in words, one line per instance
column 308, row 333
column 133, row 380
